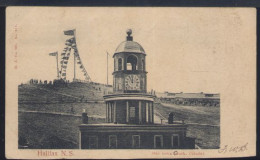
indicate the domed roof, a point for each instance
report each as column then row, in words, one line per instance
column 129, row 45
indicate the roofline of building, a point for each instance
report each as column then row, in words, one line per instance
column 129, row 53
column 129, row 96
column 132, row 127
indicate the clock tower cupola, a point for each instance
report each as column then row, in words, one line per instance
column 129, row 67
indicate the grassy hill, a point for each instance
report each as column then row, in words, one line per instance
column 45, row 117
column 191, row 114
column 71, row 92
column 46, row 120
column 203, row 122
column 53, row 125
column 50, row 131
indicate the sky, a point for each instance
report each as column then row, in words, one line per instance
column 188, row 49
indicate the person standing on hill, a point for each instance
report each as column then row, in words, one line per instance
column 72, row 110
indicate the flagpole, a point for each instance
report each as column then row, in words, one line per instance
column 74, row 67
column 74, row 31
column 107, row 68
column 57, row 66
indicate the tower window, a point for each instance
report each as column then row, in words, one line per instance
column 112, row 141
column 175, row 140
column 136, row 141
column 120, row 64
column 129, row 66
column 131, row 63
column 115, row 65
column 158, row 141
column 143, row 65
column 132, row 112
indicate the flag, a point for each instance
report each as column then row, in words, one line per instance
column 71, row 40
column 69, row 32
column 53, row 54
column 68, row 44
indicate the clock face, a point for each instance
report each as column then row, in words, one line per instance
column 132, row 82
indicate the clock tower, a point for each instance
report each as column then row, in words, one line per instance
column 130, row 110
column 130, row 102
column 129, row 67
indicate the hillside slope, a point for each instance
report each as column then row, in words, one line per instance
column 46, row 119
column 71, row 92
column 49, row 116
column 203, row 122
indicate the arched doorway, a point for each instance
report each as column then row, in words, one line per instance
column 131, row 63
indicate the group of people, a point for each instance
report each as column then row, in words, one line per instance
column 36, row 81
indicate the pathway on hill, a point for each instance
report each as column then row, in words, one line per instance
column 62, row 114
